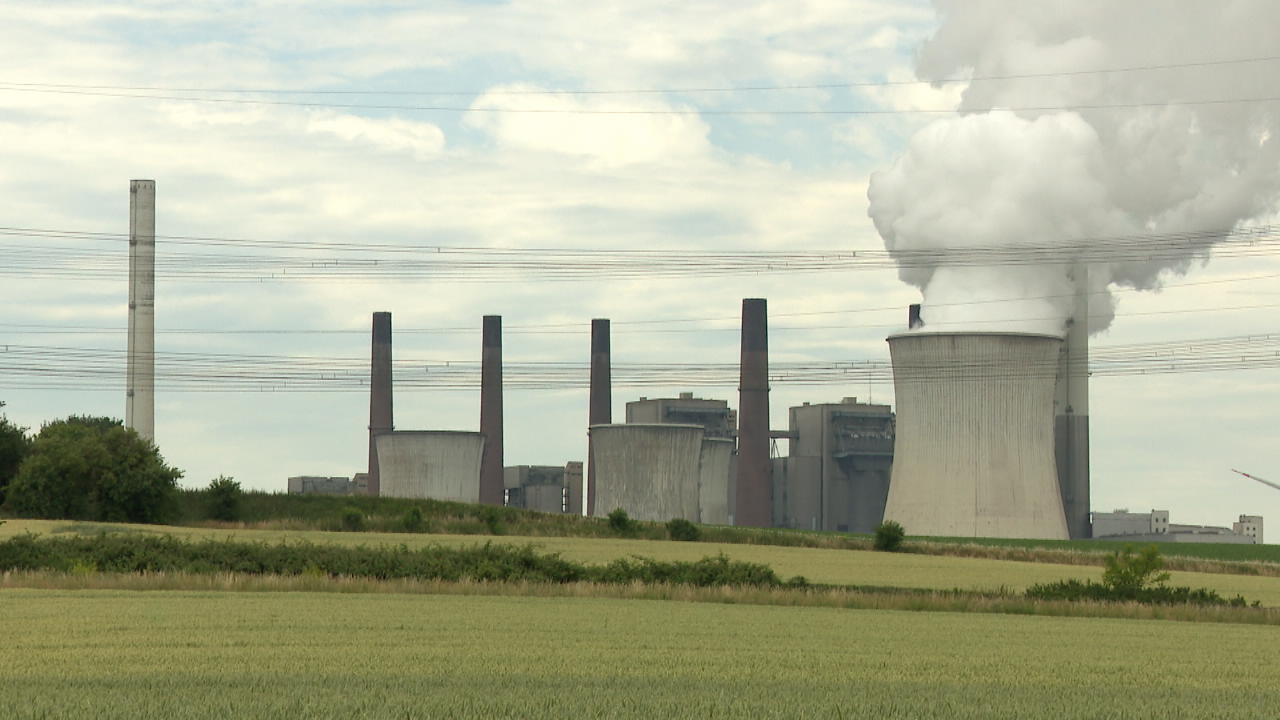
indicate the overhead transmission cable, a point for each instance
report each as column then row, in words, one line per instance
column 648, row 91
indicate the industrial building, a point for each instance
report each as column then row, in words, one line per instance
column 321, row 485
column 1154, row 526
column 837, row 469
column 545, row 488
column 975, row 454
column 715, row 417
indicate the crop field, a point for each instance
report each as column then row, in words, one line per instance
column 119, row 654
column 845, row 567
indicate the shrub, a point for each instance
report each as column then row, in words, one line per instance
column 1132, row 577
column 413, row 521
column 224, row 499
column 492, row 519
column 620, row 522
column 681, row 529
column 137, row 552
column 1128, row 573
column 889, row 536
column 352, row 519
column 93, row 468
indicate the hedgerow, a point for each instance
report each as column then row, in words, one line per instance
column 128, row 553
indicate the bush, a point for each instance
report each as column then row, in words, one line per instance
column 93, row 468
column 224, row 499
column 137, row 552
column 889, row 536
column 1128, row 573
column 492, row 518
column 620, row 522
column 681, row 529
column 1132, row 577
column 413, row 520
column 352, row 519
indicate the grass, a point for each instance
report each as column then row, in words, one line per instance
column 837, row 567
column 848, row 598
column 281, row 511
column 120, row 654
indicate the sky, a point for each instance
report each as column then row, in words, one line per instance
column 696, row 127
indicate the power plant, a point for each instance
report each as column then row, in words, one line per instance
column 990, row 437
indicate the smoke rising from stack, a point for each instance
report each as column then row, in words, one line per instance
column 1073, row 178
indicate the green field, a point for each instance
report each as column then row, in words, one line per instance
column 113, row 654
column 843, row 567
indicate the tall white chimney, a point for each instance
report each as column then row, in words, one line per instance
column 140, row 385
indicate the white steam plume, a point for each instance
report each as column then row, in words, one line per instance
column 1034, row 178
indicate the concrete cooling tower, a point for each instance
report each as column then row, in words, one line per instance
column 974, row 454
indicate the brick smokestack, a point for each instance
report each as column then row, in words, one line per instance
column 380, row 414
column 491, row 485
column 600, row 404
column 754, row 503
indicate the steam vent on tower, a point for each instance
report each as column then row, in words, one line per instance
column 974, row 454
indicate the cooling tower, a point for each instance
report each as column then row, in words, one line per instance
column 436, row 464
column 713, row 480
column 651, row 471
column 974, row 453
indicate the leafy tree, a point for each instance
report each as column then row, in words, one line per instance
column 14, row 445
column 224, row 499
column 1128, row 573
column 93, row 468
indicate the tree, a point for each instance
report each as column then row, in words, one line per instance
column 14, row 445
column 93, row 468
column 224, row 499
column 1128, row 574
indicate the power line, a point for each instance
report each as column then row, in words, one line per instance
column 406, row 262
column 1203, row 102
column 60, row 367
column 620, row 325
column 647, row 91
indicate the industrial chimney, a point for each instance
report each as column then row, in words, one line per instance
column 1071, row 413
column 491, row 484
column 913, row 316
column 600, row 402
column 754, row 502
column 140, row 400
column 380, row 412
column 974, row 454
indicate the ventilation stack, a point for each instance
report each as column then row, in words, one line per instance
column 974, row 452
column 753, row 505
column 1071, row 413
column 491, row 472
column 380, row 380
column 913, row 317
column 140, row 399
column 600, row 403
